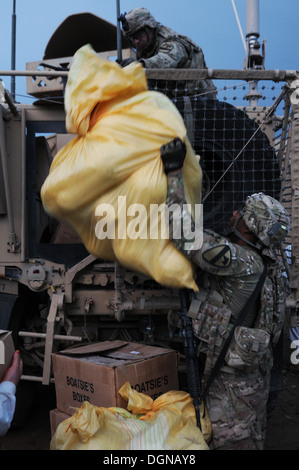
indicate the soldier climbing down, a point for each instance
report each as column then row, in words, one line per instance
column 158, row 46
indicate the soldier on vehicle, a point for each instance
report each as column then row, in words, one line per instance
column 230, row 268
column 158, row 46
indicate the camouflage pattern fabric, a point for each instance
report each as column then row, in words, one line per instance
column 176, row 196
column 247, row 348
column 237, row 403
column 137, row 19
column 211, row 326
column 237, row 399
column 169, row 50
column 266, row 218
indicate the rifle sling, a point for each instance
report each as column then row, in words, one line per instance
column 238, row 322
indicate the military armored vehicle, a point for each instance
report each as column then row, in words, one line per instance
column 53, row 293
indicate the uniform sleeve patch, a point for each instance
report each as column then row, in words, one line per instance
column 166, row 48
column 218, row 256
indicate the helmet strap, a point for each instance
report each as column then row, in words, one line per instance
column 233, row 230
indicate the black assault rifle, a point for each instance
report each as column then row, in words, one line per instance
column 190, row 350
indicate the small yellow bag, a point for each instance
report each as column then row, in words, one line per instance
column 114, row 164
column 168, row 423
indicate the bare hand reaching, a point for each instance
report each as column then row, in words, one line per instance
column 14, row 372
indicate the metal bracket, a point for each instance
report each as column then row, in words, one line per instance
column 56, row 304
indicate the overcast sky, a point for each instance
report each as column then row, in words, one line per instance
column 210, row 23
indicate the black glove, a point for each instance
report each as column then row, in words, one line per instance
column 125, row 62
column 173, row 155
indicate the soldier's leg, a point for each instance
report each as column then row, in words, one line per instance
column 237, row 409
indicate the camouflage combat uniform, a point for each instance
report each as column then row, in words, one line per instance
column 169, row 50
column 237, row 399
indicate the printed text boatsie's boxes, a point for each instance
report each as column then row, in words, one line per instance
column 96, row 372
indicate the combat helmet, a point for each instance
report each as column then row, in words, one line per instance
column 266, row 218
column 137, row 19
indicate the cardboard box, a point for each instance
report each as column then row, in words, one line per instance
column 96, row 372
column 6, row 351
column 56, row 417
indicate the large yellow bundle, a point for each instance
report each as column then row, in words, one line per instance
column 114, row 163
column 168, row 423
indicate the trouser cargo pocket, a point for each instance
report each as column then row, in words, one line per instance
column 248, row 348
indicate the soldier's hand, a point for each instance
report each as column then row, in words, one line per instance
column 173, row 155
column 125, row 62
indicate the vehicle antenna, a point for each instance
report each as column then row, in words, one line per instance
column 119, row 45
column 255, row 57
column 13, row 50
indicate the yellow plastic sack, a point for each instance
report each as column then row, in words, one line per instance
column 168, row 423
column 114, row 163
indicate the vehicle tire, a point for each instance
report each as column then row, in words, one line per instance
column 220, row 132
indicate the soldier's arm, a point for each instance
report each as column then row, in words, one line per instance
column 171, row 54
column 217, row 254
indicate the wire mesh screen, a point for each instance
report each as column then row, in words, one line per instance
column 241, row 136
column 238, row 121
